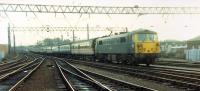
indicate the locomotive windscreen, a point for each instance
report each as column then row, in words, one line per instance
column 147, row 37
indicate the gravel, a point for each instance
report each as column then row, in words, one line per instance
column 42, row 79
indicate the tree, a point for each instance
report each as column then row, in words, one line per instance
column 53, row 42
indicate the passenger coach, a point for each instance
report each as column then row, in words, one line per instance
column 83, row 49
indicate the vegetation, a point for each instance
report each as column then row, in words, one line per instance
column 52, row 42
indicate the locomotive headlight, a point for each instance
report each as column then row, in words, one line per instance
column 157, row 44
column 144, row 49
column 139, row 45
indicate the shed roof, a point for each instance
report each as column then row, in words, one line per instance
column 195, row 38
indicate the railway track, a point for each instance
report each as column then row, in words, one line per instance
column 115, row 84
column 71, row 81
column 178, row 63
column 8, row 70
column 50, row 80
column 77, row 81
column 10, row 64
column 34, row 81
column 8, row 80
column 15, row 65
column 182, row 79
column 8, row 60
column 176, row 71
column 190, row 70
column 112, row 84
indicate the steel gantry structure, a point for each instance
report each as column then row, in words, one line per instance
column 120, row 29
column 96, row 9
column 70, row 29
column 36, row 8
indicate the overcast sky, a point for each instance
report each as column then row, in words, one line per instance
column 110, row 2
column 179, row 27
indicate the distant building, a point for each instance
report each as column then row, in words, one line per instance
column 3, row 51
column 168, row 46
column 173, row 48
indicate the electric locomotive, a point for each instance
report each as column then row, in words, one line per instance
column 137, row 47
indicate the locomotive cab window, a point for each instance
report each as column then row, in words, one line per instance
column 142, row 37
column 147, row 37
column 122, row 39
column 100, row 43
column 152, row 37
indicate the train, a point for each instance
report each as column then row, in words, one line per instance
column 136, row 47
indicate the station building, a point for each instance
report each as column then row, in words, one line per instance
column 193, row 49
column 173, row 49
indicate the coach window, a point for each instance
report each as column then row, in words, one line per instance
column 122, row 39
column 100, row 43
column 78, row 46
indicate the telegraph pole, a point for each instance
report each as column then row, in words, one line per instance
column 9, row 44
column 62, row 37
column 126, row 29
column 14, row 42
column 73, row 35
column 88, row 32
